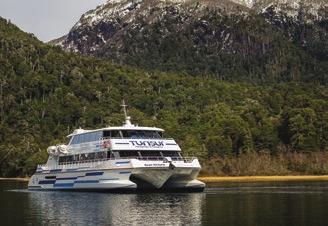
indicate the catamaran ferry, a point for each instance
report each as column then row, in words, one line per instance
column 122, row 158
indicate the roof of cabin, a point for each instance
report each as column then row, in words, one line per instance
column 126, row 127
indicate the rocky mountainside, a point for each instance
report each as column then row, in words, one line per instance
column 262, row 40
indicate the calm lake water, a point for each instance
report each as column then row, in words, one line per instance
column 230, row 204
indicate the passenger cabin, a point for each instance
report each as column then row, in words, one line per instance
column 98, row 145
column 87, row 136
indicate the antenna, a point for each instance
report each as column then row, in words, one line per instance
column 127, row 118
column 124, row 108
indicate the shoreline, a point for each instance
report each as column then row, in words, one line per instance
column 237, row 179
column 14, row 179
column 250, row 179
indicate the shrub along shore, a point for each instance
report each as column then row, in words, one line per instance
column 265, row 164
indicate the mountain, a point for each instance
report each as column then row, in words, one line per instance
column 233, row 40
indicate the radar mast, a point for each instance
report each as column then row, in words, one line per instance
column 127, row 118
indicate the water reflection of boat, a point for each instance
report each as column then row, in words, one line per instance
column 117, row 209
column 121, row 158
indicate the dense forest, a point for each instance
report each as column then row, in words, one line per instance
column 46, row 93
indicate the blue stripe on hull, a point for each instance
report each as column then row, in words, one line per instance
column 64, row 185
column 47, row 181
column 109, row 179
column 124, row 172
column 127, row 162
column 94, row 174
column 69, row 170
column 67, row 178
column 86, row 181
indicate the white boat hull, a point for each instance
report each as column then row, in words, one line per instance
column 119, row 175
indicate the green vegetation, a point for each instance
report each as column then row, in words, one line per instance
column 46, row 93
column 266, row 164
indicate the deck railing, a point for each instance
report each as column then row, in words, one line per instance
column 95, row 162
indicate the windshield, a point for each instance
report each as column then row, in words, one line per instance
column 134, row 134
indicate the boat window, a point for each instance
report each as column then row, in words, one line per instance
column 87, row 137
column 171, row 154
column 150, row 154
column 79, row 139
column 141, row 134
column 90, row 137
column 89, row 156
column 76, row 158
column 132, row 134
column 152, row 134
column 74, row 140
column 129, row 154
column 99, row 135
column 82, row 157
column 116, row 154
column 115, row 134
column 63, row 159
column 100, row 155
column 107, row 133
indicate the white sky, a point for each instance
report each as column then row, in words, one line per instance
column 46, row 19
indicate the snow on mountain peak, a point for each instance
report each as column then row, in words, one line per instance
column 107, row 23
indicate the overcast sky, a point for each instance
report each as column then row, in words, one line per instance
column 46, row 19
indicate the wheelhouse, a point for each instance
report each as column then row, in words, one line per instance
column 83, row 142
column 91, row 136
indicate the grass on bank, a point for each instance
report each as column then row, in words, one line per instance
column 264, row 164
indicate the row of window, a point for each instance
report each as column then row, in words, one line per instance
column 134, row 134
column 86, row 137
column 84, row 157
column 116, row 154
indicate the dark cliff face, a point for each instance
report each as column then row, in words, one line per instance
column 273, row 40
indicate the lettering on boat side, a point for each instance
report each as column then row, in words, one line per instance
column 154, row 164
column 146, row 144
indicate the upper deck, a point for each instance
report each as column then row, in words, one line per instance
column 122, row 138
column 86, row 144
column 127, row 141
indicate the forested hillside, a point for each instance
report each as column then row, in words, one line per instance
column 45, row 93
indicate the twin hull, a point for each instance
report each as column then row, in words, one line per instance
column 119, row 175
